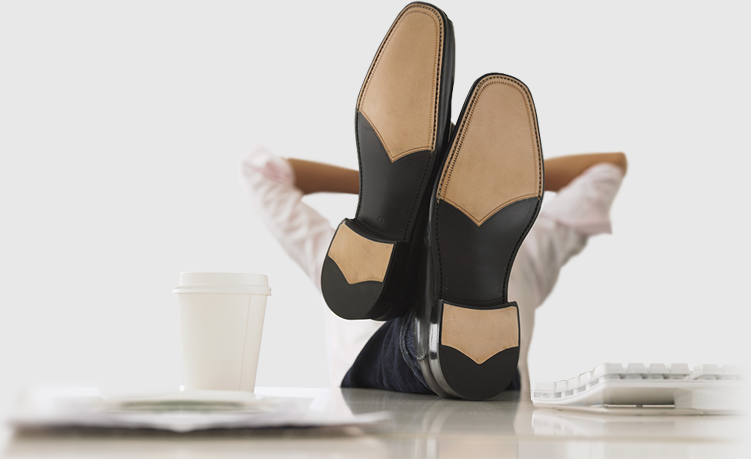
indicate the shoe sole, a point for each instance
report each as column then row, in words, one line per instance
column 485, row 203
column 401, row 125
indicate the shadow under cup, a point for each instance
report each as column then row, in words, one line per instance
column 221, row 321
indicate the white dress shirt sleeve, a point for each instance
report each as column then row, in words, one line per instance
column 302, row 232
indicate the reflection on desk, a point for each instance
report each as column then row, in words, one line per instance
column 422, row 427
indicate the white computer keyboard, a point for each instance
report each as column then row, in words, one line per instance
column 656, row 388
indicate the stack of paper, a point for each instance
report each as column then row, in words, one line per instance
column 178, row 412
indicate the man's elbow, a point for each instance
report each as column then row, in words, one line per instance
column 619, row 159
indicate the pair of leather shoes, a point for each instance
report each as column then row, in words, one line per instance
column 441, row 212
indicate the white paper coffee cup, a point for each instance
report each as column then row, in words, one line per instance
column 221, row 320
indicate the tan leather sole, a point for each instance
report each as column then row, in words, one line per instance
column 495, row 160
column 399, row 96
column 358, row 258
column 479, row 333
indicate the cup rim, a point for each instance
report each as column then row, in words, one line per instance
column 213, row 288
column 222, row 282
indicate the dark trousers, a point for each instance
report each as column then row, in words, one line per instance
column 388, row 362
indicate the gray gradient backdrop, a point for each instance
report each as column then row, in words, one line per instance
column 121, row 126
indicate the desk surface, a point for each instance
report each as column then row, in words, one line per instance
column 423, row 427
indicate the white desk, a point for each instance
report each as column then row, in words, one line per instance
column 422, row 427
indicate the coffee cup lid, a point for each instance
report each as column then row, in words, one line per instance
column 223, row 283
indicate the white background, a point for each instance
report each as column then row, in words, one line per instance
column 121, row 126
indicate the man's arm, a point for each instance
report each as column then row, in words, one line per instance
column 561, row 170
column 314, row 177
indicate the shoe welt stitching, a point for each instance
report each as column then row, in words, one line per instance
column 437, row 65
column 495, row 79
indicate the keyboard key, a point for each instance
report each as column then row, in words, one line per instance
column 679, row 371
column 585, row 378
column 608, row 371
column 571, row 385
column 545, row 386
column 706, row 372
column 635, row 371
column 657, row 371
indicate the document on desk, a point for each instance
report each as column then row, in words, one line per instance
column 177, row 412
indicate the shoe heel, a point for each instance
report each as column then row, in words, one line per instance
column 354, row 272
column 478, row 349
